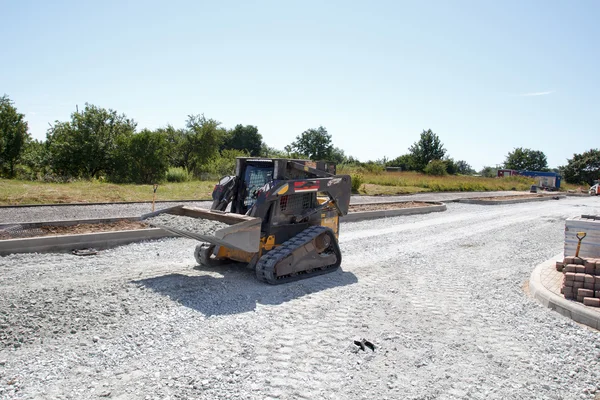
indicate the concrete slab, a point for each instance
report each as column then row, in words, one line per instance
column 544, row 286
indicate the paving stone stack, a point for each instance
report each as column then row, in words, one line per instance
column 581, row 279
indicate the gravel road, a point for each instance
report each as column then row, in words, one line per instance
column 65, row 212
column 440, row 295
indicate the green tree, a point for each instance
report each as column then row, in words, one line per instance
column 314, row 143
column 526, row 159
column 35, row 159
column 141, row 158
column 85, row 146
column 405, row 162
column 337, row 156
column 352, row 160
column 175, row 139
column 583, row 168
column 244, row 138
column 463, row 168
column 200, row 142
column 488, row 172
column 436, row 167
column 13, row 136
column 451, row 166
column 224, row 164
column 271, row 152
column 428, row 148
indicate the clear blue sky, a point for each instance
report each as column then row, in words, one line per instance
column 486, row 76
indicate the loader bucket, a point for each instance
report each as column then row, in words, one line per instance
column 242, row 234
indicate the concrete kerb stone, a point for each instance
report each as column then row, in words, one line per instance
column 364, row 215
column 65, row 243
column 103, row 240
column 568, row 308
column 515, row 201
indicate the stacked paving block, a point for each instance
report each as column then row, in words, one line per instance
column 581, row 279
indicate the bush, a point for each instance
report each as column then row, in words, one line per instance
column 219, row 167
column 373, row 168
column 436, row 167
column 178, row 175
column 357, row 181
column 141, row 158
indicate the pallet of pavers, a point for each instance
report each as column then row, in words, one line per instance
column 581, row 279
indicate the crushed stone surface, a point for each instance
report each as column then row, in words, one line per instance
column 440, row 296
column 68, row 212
column 196, row 225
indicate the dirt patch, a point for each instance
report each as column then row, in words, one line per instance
column 123, row 225
column 387, row 206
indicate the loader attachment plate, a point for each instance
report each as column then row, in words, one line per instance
column 242, row 234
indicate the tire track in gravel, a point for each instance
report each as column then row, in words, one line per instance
column 300, row 358
column 286, row 360
column 440, row 294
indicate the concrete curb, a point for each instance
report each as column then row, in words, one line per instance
column 363, row 215
column 570, row 309
column 515, row 201
column 66, row 243
column 103, row 240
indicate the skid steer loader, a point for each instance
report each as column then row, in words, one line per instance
column 283, row 216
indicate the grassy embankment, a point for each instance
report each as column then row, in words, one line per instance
column 387, row 183
column 413, row 182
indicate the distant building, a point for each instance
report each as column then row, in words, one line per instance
column 549, row 180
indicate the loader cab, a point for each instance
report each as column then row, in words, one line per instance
column 255, row 173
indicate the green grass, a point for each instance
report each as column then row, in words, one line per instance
column 14, row 192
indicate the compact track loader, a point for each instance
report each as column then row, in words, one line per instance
column 283, row 216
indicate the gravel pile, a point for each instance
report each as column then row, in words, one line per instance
column 196, row 225
column 439, row 295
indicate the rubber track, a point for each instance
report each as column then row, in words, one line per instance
column 265, row 267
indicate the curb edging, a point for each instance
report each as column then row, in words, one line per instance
column 514, row 201
column 66, row 243
column 104, row 240
column 570, row 309
column 364, row 215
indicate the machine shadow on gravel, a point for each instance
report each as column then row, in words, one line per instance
column 237, row 291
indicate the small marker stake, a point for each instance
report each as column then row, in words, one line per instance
column 155, row 186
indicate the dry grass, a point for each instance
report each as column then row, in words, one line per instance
column 375, row 190
column 412, row 182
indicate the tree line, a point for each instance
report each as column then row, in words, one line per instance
column 98, row 143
